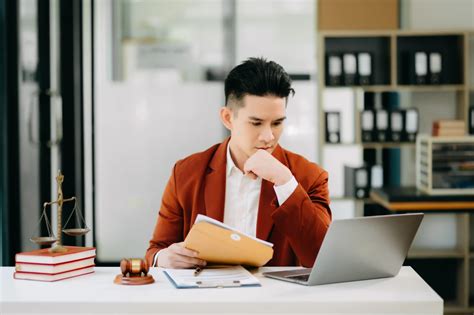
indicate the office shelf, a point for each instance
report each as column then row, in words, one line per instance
column 387, row 145
column 435, row 253
column 374, row 145
column 392, row 71
column 451, row 307
column 343, row 198
column 432, row 88
column 404, row 88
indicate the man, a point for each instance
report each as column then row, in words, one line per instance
column 248, row 181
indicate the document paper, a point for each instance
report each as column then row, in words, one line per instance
column 212, row 277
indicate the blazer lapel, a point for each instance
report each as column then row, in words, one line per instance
column 268, row 201
column 214, row 187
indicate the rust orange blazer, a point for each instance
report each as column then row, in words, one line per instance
column 197, row 186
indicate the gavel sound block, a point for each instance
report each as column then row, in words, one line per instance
column 134, row 272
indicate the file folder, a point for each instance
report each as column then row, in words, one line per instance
column 411, row 124
column 421, row 67
column 381, row 124
column 218, row 243
column 367, row 122
column 396, row 125
column 364, row 65
column 212, row 277
column 334, row 70
column 357, row 181
column 435, row 67
column 349, row 62
column 333, row 127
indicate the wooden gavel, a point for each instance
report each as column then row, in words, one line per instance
column 134, row 267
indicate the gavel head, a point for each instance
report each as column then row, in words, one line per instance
column 134, row 267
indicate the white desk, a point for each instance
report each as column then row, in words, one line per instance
column 406, row 293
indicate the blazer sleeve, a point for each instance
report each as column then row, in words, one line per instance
column 169, row 226
column 304, row 218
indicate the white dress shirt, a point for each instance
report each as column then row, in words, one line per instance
column 242, row 195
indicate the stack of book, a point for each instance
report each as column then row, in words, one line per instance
column 449, row 128
column 42, row 265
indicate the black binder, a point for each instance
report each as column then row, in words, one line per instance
column 436, row 68
column 333, row 127
column 420, row 60
column 381, row 125
column 333, row 70
column 367, row 123
column 364, row 67
column 396, row 125
column 357, row 181
column 349, row 62
column 411, row 125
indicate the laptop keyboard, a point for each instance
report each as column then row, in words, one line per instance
column 300, row 277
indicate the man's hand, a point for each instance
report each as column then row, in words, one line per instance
column 264, row 165
column 177, row 256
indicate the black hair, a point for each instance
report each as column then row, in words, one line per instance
column 257, row 76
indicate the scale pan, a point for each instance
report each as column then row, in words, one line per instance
column 76, row 232
column 44, row 240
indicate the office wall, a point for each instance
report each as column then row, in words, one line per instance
column 156, row 115
column 285, row 31
column 437, row 14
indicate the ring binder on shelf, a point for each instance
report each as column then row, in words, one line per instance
column 396, row 126
column 364, row 61
column 411, row 124
column 421, row 67
column 333, row 127
column 381, row 124
column 334, row 73
column 367, row 125
column 356, row 181
column 435, row 68
column 350, row 68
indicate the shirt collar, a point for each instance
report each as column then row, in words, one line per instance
column 230, row 163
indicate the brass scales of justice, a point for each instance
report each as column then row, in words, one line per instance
column 56, row 240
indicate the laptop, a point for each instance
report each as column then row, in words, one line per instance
column 359, row 249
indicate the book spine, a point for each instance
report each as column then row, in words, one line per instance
column 15, row 276
column 55, row 264
column 53, row 274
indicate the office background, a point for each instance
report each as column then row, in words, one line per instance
column 114, row 92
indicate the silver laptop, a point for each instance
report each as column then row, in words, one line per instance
column 359, row 249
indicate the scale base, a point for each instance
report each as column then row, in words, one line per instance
column 58, row 249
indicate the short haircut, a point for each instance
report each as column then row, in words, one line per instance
column 256, row 76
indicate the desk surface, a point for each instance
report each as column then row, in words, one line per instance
column 407, row 293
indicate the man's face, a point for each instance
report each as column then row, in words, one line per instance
column 256, row 125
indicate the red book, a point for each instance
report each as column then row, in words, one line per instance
column 53, row 277
column 56, row 268
column 44, row 256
